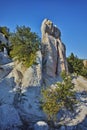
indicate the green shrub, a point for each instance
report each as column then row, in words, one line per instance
column 5, row 31
column 75, row 65
column 63, row 96
column 25, row 44
column 84, row 72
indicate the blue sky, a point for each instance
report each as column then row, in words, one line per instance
column 69, row 15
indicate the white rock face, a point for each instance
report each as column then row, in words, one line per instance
column 41, row 125
column 85, row 63
column 30, row 109
column 30, row 81
column 9, row 118
column 5, row 52
column 4, row 59
column 3, row 39
column 33, row 75
column 5, row 69
column 53, row 51
column 23, row 106
column 62, row 128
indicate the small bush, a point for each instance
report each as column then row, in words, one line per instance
column 75, row 65
column 25, row 44
column 54, row 99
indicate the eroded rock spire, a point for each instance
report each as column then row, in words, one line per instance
column 53, row 50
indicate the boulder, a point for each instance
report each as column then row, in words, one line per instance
column 41, row 125
column 29, row 107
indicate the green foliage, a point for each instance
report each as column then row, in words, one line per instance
column 62, row 96
column 75, row 64
column 25, row 44
column 84, row 72
column 5, row 31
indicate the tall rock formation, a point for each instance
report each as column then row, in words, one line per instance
column 53, row 52
column 20, row 88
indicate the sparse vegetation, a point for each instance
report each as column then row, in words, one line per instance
column 5, row 31
column 62, row 96
column 25, row 44
column 75, row 65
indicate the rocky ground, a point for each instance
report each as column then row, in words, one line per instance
column 20, row 88
column 15, row 115
column 77, row 120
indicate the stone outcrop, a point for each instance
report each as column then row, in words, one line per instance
column 28, row 82
column 53, row 51
column 3, row 39
column 30, row 77
column 9, row 118
column 4, row 59
column 33, row 75
column 41, row 125
column 85, row 63
column 20, row 88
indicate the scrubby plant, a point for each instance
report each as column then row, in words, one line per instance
column 84, row 72
column 25, row 44
column 75, row 65
column 5, row 31
column 61, row 96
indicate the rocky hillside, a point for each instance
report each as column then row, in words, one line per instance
column 20, row 88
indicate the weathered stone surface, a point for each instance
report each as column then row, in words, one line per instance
column 9, row 118
column 85, row 122
column 33, row 75
column 62, row 128
column 53, row 51
column 5, row 70
column 30, row 109
column 3, row 39
column 4, row 59
column 41, row 125
column 29, row 81
column 85, row 63
column 6, row 92
column 50, row 64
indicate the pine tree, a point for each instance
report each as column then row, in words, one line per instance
column 25, row 44
column 75, row 64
